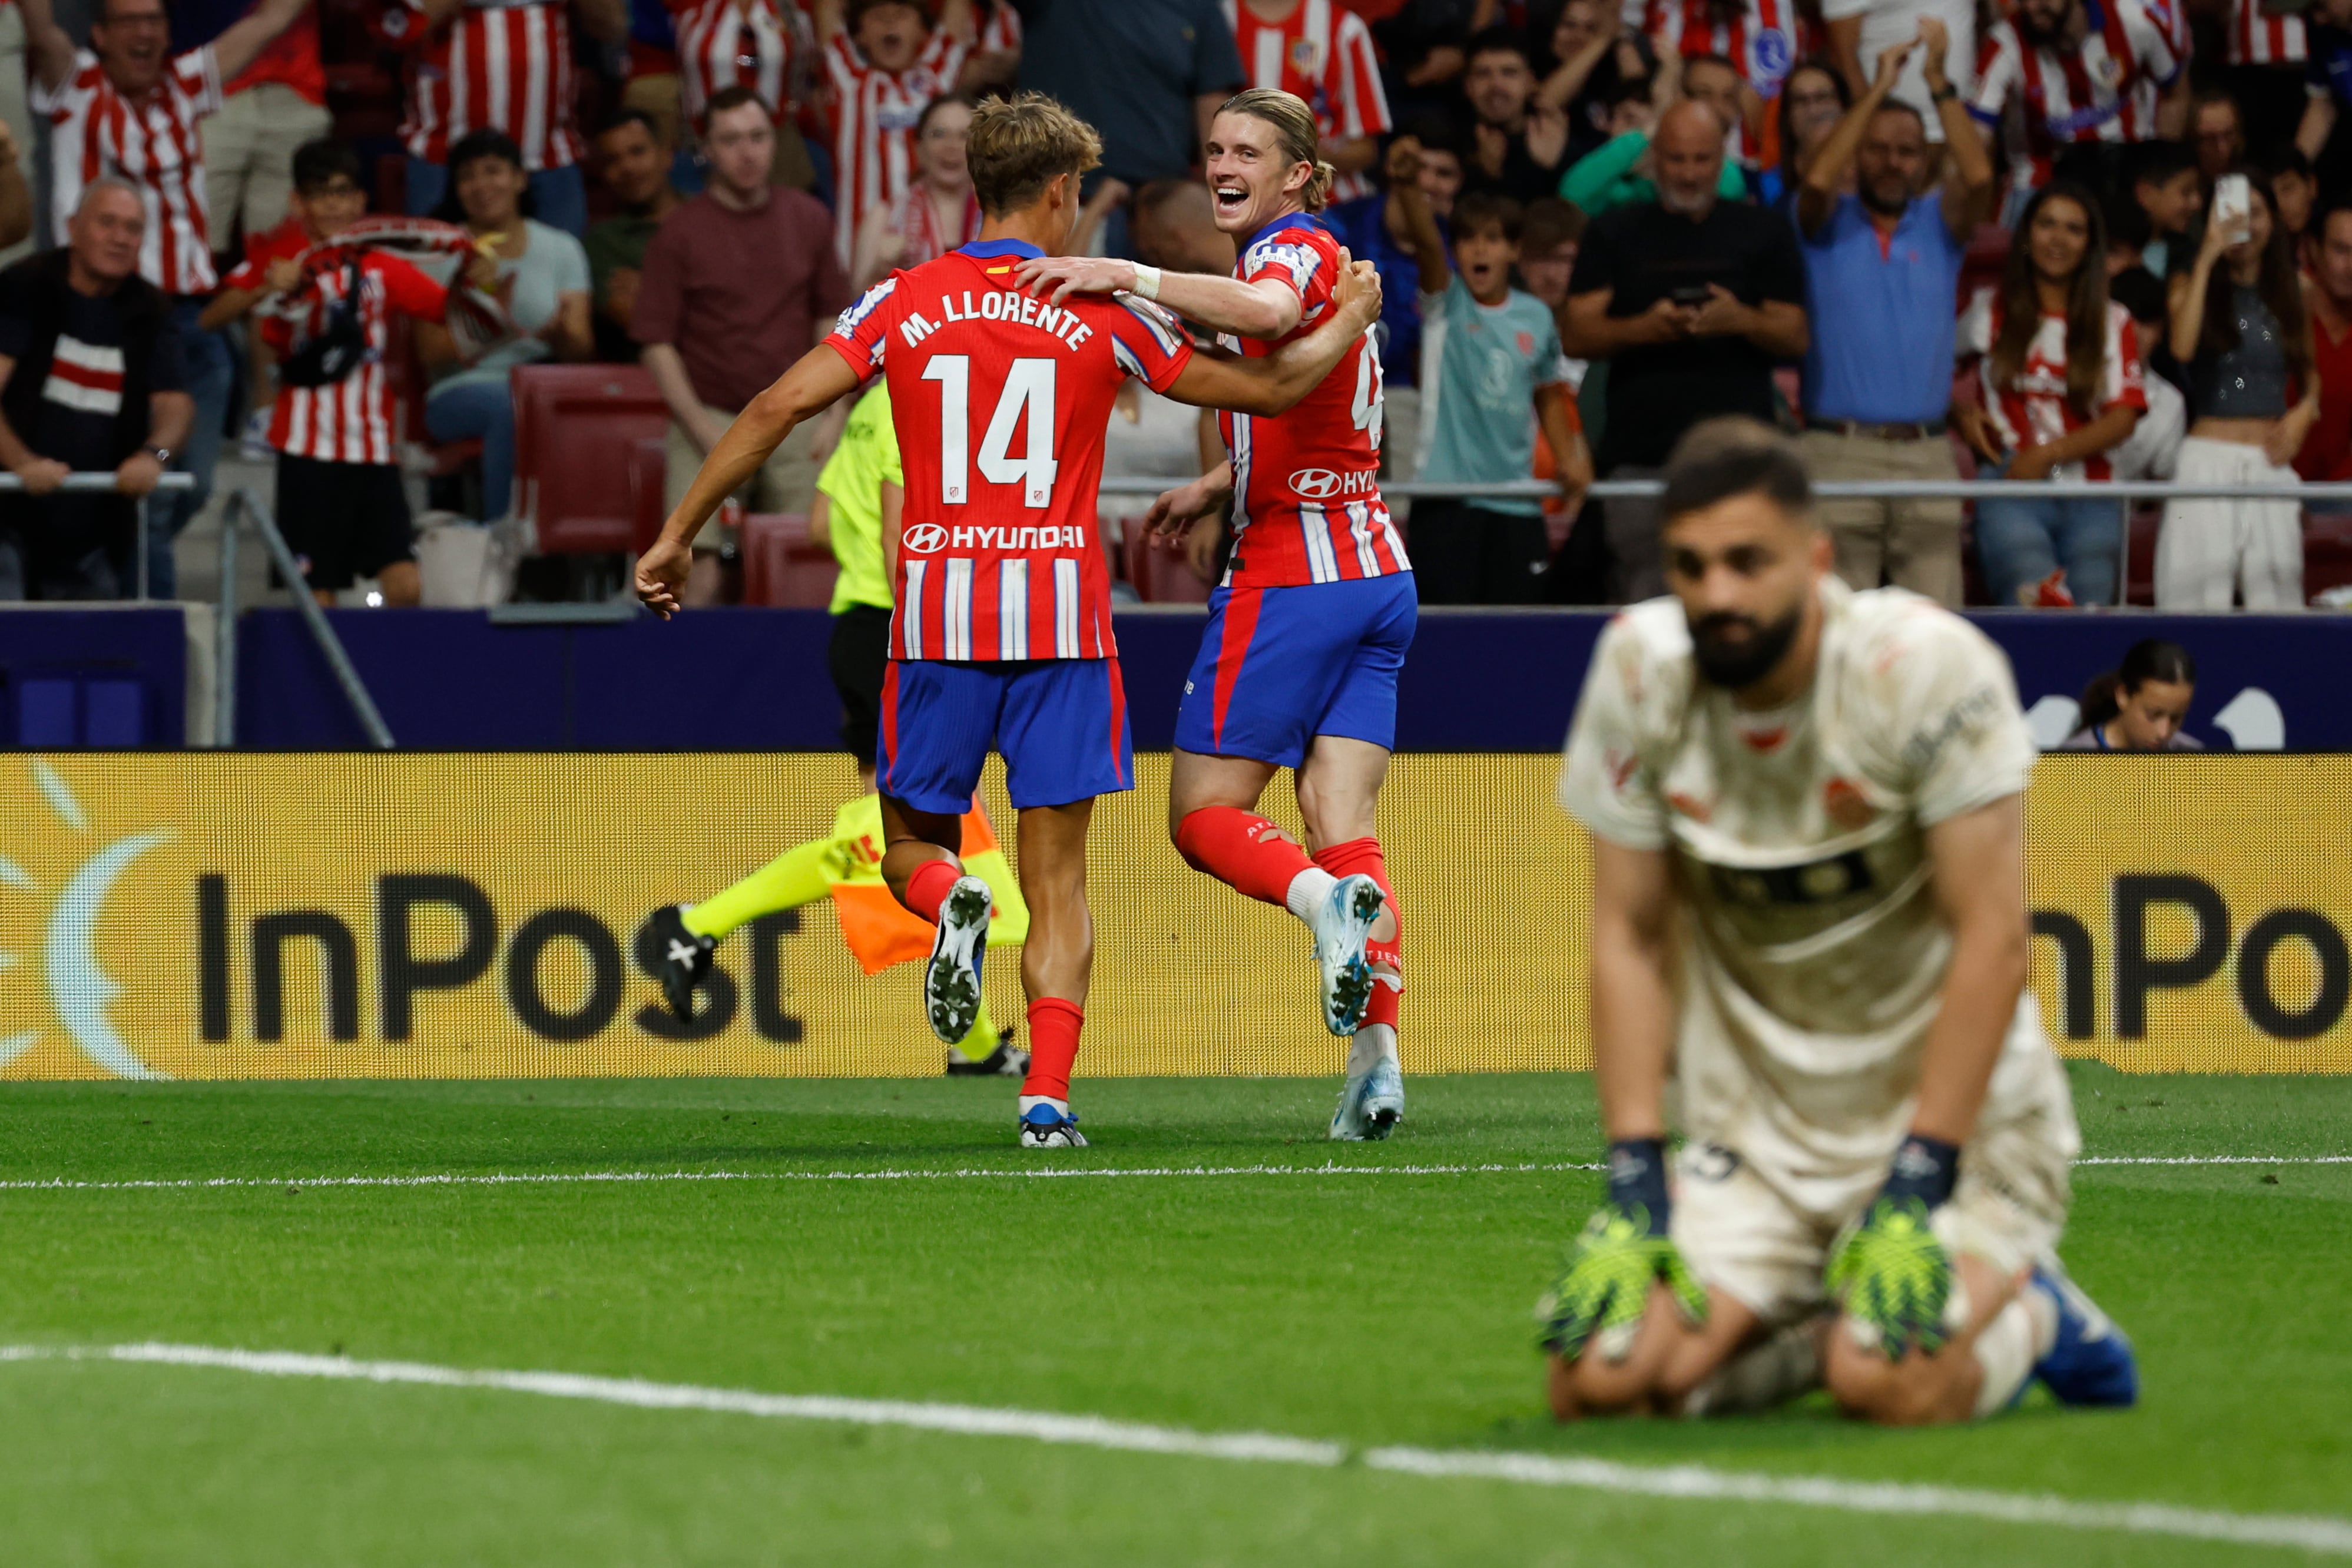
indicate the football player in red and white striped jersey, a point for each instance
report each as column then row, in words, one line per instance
column 2112, row 74
column 1002, row 633
column 1299, row 666
column 882, row 69
column 1320, row 52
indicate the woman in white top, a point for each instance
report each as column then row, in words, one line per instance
column 936, row 214
column 548, row 300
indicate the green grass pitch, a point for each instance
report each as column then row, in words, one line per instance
column 1365, row 1308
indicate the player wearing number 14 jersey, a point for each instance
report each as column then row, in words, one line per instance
column 1001, row 631
column 1305, row 636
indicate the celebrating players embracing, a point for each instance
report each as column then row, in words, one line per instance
column 1001, row 632
column 1807, row 812
column 1299, row 666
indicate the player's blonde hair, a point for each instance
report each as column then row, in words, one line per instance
column 1300, row 138
column 1020, row 145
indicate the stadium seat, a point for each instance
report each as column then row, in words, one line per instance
column 1160, row 575
column 576, row 433
column 2139, row 555
column 648, row 471
column 782, row 566
column 2326, row 552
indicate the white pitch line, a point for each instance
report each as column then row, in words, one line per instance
column 2305, row 1532
column 970, row 1172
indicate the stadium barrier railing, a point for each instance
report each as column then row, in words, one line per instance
column 2122, row 491
column 209, row 914
column 244, row 506
column 86, row 482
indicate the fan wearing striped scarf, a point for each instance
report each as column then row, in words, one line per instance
column 322, row 291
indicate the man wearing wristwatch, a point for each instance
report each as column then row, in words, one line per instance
column 92, row 379
column 1882, row 266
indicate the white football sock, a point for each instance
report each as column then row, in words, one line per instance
column 1028, row 1100
column 1372, row 1042
column 1310, row 891
column 2005, row 1353
column 1765, row 1378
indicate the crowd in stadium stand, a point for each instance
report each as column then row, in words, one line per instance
column 1942, row 238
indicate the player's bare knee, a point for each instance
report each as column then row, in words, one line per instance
column 1868, row 1386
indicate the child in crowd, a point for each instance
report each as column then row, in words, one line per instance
column 340, row 504
column 2165, row 188
column 1491, row 373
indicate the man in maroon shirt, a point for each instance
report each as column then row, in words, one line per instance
column 741, row 280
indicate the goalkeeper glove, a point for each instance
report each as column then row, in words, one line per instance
column 1893, row 1275
column 1605, row 1284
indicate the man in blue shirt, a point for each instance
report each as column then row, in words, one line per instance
column 1882, row 268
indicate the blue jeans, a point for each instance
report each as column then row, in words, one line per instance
column 558, row 197
column 211, row 371
column 482, row 410
column 2021, row 541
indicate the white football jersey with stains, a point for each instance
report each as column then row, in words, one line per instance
column 1812, row 948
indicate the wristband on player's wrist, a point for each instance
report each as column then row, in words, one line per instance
column 1637, row 1179
column 1924, row 1168
column 1147, row 282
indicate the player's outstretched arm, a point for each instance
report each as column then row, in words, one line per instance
column 1270, row 386
column 1624, row 1247
column 1266, row 309
column 1893, row 1274
column 811, row 386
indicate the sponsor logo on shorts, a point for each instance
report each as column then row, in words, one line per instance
column 1323, row 485
column 923, row 539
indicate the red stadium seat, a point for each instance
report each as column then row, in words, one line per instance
column 1160, row 574
column 576, row 433
column 648, row 469
column 2326, row 552
column 2139, row 553
column 782, row 566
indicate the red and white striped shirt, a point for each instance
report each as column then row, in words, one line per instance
column 1322, row 54
column 720, row 46
column 1001, row 33
column 87, row 378
column 2260, row 36
column 1762, row 44
column 95, row 131
column 507, row 68
column 2104, row 89
column 1001, row 401
column 350, row 420
column 874, row 116
column 916, row 217
column 1307, row 492
column 2031, row 409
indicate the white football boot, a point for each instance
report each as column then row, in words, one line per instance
column 951, row 979
column 1342, row 925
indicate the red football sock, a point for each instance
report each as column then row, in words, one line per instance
column 1054, row 1026
column 928, row 889
column 1387, row 1000
column 1239, row 849
column 1362, row 857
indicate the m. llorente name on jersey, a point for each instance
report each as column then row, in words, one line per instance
column 1012, row 309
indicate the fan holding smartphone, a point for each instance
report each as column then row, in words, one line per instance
column 2238, row 323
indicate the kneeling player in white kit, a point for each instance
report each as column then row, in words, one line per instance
column 1809, row 949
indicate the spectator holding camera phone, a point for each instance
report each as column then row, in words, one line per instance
column 2239, row 327
column 1692, row 299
